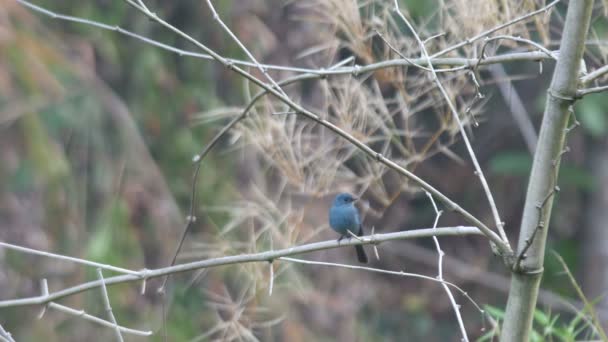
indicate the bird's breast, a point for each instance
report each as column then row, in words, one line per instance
column 343, row 218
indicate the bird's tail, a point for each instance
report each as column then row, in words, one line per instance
column 361, row 256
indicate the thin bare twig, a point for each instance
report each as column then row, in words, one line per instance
column 541, row 225
column 441, row 254
column 587, row 91
column 496, row 239
column 456, row 62
column 478, row 171
column 5, row 335
column 67, row 258
column 217, row 18
column 198, row 159
column 594, row 75
column 549, row 53
column 82, row 314
column 107, row 307
column 494, row 29
column 242, row 258
column 379, row 270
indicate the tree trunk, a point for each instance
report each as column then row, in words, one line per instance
column 543, row 178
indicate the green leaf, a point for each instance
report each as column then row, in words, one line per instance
column 519, row 163
column 592, row 117
column 541, row 318
column 495, row 312
column 516, row 163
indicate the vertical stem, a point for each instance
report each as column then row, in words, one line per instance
column 539, row 201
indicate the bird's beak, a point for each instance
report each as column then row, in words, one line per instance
column 355, row 199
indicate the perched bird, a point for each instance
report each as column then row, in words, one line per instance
column 344, row 217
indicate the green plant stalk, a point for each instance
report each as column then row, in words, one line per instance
column 525, row 282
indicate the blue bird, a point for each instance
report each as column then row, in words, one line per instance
column 344, row 217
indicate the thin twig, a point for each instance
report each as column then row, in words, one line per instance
column 82, row 314
column 395, row 50
column 549, row 53
column 198, row 159
column 494, row 29
column 5, row 335
column 271, row 276
column 587, row 91
column 594, row 75
column 217, row 18
column 487, row 41
column 459, row 63
column 441, row 254
column 496, row 239
column 141, row 3
column 379, row 270
column 66, row 258
column 106, row 305
column 242, row 258
column 540, row 225
column 45, row 292
column 478, row 171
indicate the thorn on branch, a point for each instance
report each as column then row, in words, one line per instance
column 559, row 156
column 144, row 284
column 322, row 74
column 539, row 226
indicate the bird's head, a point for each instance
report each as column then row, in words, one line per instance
column 344, row 199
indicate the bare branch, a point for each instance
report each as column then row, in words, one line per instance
column 543, row 49
column 505, row 247
column 82, row 314
column 594, row 75
column 243, row 258
column 456, row 62
column 67, row 258
column 379, row 270
column 587, row 91
column 5, row 335
column 440, row 253
column 217, row 18
column 497, row 240
column 494, row 29
column 198, row 159
column 106, row 304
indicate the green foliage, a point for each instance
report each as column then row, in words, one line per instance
column 511, row 163
column 547, row 326
column 519, row 164
column 592, row 115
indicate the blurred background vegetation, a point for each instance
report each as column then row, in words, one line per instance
column 97, row 136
